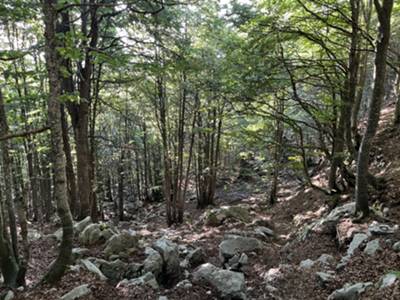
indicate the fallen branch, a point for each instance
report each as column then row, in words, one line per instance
column 12, row 135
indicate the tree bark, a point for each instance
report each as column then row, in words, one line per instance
column 384, row 15
column 57, row 269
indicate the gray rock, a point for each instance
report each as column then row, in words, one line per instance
column 244, row 259
column 358, row 239
column 328, row 223
column 350, row 292
column 147, row 279
column 325, row 278
column 185, row 284
column 356, row 242
column 153, row 262
column 216, row 217
column 78, row 292
column 264, row 231
column 95, row 233
column 114, row 270
column 196, row 257
column 228, row 283
column 372, row 247
column 163, row 298
column 326, row 259
column 307, row 264
column 381, row 229
column 78, row 253
column 388, row 280
column 81, row 225
column 119, row 243
column 278, row 273
column 9, row 296
column 170, row 255
column 91, row 267
column 237, row 245
column 396, row 246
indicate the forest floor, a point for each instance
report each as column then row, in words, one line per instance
column 272, row 272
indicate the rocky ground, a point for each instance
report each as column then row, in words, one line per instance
column 307, row 246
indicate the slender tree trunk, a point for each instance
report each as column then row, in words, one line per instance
column 8, row 261
column 59, row 266
column 384, row 15
column 279, row 128
column 72, row 191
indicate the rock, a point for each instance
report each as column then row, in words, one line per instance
column 153, row 262
column 9, row 296
column 170, row 255
column 264, row 231
column 350, row 292
column 163, row 298
column 216, row 217
column 356, row 242
column 306, row 264
column 229, row 284
column 147, row 279
column 33, row 235
column 78, row 253
column 95, row 233
column 274, row 274
column 185, row 284
column 328, row 224
column 91, row 267
column 325, row 278
column 358, row 239
column 326, row 259
column 81, row 225
column 114, row 270
column 196, row 257
column 119, row 243
column 78, row 292
column 78, row 228
column 244, row 259
column 381, row 229
column 237, row 245
column 372, row 247
column 396, row 246
column 388, row 280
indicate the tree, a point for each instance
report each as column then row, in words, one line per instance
column 58, row 268
column 384, row 11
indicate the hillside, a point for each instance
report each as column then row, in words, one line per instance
column 292, row 250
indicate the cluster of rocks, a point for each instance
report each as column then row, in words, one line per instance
column 165, row 263
column 366, row 238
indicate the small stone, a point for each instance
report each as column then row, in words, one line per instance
column 230, row 285
column 185, row 284
column 350, row 292
column 93, row 268
column 163, row 298
column 196, row 257
column 388, row 280
column 372, row 247
column 326, row 259
column 381, row 229
column 307, row 264
column 9, row 296
column 77, row 292
column 324, row 278
column 396, row 247
column 237, row 245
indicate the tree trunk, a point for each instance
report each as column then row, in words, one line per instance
column 69, row 168
column 59, row 266
column 384, row 14
column 8, row 262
